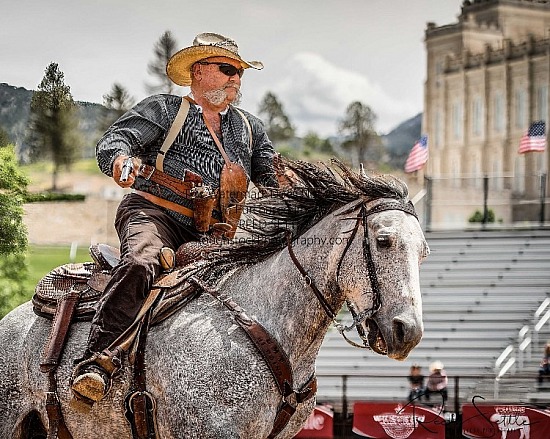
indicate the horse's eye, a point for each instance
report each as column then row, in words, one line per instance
column 383, row 241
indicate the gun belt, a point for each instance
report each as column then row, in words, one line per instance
column 170, row 205
column 179, row 187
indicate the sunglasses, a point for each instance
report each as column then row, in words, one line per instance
column 226, row 69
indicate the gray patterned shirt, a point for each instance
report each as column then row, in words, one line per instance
column 141, row 131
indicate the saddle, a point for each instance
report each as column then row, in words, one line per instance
column 89, row 279
column 70, row 292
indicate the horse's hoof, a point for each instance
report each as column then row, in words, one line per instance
column 91, row 385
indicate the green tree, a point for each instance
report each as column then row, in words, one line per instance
column 164, row 48
column 53, row 121
column 312, row 142
column 276, row 121
column 13, row 234
column 4, row 138
column 117, row 102
column 357, row 127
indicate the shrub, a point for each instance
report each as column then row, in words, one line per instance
column 52, row 196
column 477, row 217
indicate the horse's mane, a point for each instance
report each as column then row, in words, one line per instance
column 288, row 211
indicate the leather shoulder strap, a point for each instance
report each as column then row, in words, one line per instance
column 172, row 133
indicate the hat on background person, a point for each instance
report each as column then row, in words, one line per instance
column 436, row 365
column 205, row 45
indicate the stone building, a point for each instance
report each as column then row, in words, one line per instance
column 487, row 81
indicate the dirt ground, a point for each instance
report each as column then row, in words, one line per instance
column 84, row 223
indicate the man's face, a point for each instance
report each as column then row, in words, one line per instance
column 211, row 77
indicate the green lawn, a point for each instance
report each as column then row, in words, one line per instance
column 41, row 259
column 87, row 166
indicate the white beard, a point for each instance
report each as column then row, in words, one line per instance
column 219, row 96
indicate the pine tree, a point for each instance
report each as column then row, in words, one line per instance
column 165, row 47
column 276, row 121
column 53, row 132
column 117, row 102
column 357, row 127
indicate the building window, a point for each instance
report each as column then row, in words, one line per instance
column 519, row 174
column 477, row 116
column 498, row 112
column 438, row 132
column 457, row 120
column 497, row 174
column 542, row 103
column 455, row 171
column 521, row 107
column 477, row 173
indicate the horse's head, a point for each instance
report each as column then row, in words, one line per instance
column 379, row 274
column 374, row 249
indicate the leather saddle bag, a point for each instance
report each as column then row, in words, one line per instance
column 233, row 189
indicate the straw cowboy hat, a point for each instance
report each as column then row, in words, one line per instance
column 436, row 365
column 204, row 46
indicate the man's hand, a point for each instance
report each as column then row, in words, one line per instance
column 118, row 167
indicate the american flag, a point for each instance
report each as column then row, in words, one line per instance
column 534, row 139
column 418, row 155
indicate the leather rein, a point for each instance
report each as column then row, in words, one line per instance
column 358, row 317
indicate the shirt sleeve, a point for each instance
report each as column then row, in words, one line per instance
column 137, row 132
column 263, row 171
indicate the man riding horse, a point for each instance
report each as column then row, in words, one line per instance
column 189, row 161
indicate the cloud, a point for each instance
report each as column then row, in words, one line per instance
column 315, row 94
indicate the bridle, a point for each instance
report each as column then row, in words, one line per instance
column 358, row 317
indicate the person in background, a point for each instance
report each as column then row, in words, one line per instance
column 437, row 382
column 416, row 383
column 544, row 369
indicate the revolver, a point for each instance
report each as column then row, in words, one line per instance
column 127, row 168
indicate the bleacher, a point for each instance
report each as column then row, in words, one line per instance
column 480, row 288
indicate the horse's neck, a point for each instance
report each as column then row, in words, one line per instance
column 276, row 294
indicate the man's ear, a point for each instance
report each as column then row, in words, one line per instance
column 196, row 72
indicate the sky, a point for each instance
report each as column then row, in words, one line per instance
column 319, row 55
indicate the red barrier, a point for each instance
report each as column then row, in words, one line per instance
column 482, row 421
column 396, row 421
column 319, row 425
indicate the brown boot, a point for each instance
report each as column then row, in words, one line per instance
column 91, row 383
column 91, row 379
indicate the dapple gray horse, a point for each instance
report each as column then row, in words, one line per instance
column 358, row 242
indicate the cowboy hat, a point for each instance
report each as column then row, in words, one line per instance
column 205, row 45
column 436, row 365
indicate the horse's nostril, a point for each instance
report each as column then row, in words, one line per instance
column 399, row 332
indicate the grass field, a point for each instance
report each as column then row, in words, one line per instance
column 41, row 259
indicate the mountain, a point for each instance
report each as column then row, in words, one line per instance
column 399, row 141
column 14, row 111
column 14, row 116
